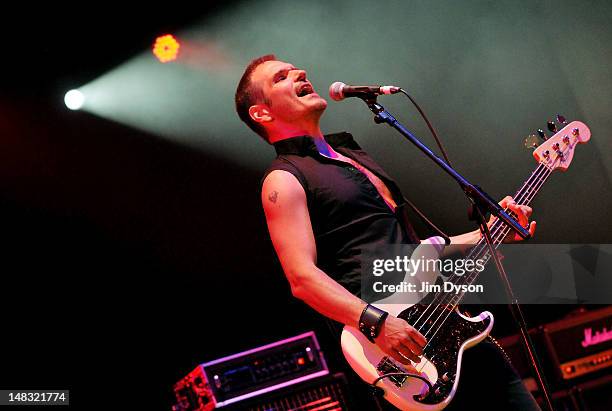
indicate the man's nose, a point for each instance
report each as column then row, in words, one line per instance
column 300, row 75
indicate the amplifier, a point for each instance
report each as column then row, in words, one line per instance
column 581, row 344
column 327, row 393
column 571, row 349
column 248, row 374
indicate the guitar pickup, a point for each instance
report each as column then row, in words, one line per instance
column 386, row 366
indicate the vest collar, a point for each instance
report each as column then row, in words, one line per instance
column 304, row 145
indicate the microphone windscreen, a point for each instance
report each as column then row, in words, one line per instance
column 335, row 91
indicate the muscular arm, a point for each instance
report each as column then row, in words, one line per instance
column 284, row 202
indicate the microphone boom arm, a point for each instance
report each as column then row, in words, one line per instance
column 474, row 193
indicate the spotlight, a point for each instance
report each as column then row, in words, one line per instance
column 74, row 99
column 166, row 48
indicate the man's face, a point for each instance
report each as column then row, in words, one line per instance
column 288, row 93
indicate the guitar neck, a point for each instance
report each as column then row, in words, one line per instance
column 523, row 196
column 500, row 230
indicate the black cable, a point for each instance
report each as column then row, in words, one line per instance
column 435, row 136
column 427, row 221
column 433, row 132
column 402, row 374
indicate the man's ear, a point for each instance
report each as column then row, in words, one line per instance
column 260, row 113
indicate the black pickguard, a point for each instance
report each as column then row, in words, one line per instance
column 443, row 351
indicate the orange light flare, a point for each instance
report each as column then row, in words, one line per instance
column 166, row 48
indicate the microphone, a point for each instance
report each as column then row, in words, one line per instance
column 339, row 91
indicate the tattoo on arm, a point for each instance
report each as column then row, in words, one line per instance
column 273, row 196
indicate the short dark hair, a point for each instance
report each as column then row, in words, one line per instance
column 248, row 94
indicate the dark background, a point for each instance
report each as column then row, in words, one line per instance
column 127, row 259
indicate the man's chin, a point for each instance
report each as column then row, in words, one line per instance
column 321, row 103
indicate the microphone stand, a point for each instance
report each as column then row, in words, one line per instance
column 482, row 204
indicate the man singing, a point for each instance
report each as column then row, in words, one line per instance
column 325, row 201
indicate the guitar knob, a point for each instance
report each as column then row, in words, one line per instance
column 575, row 132
column 551, row 126
column 445, row 377
column 566, row 140
column 561, row 119
column 542, row 134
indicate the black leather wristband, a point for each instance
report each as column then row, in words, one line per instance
column 371, row 321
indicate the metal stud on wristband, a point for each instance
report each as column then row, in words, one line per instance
column 371, row 321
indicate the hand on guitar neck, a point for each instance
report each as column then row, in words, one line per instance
column 521, row 213
column 463, row 243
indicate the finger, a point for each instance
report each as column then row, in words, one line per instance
column 416, row 337
column 527, row 210
column 532, row 228
column 406, row 353
column 400, row 357
column 505, row 201
column 522, row 209
column 520, row 213
column 412, row 347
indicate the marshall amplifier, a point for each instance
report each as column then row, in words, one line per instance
column 571, row 350
column 575, row 353
column 260, row 371
column 580, row 345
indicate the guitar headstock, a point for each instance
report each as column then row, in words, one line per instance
column 557, row 152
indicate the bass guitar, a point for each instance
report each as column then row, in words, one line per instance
column 448, row 331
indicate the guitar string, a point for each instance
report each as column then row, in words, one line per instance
column 527, row 200
column 530, row 194
column 447, row 307
column 451, row 309
column 486, row 255
column 494, row 230
column 482, row 246
column 532, row 190
column 482, row 249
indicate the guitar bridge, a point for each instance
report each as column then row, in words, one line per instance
column 386, row 366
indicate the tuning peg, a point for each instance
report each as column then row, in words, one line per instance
column 542, row 134
column 551, row 126
column 532, row 141
column 561, row 119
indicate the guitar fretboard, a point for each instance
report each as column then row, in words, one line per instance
column 500, row 230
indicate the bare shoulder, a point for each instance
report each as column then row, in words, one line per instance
column 281, row 187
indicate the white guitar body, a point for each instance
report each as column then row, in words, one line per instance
column 363, row 357
column 449, row 337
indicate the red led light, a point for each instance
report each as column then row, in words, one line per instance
column 166, row 48
column 301, row 361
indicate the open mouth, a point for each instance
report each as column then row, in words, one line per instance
column 304, row 90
